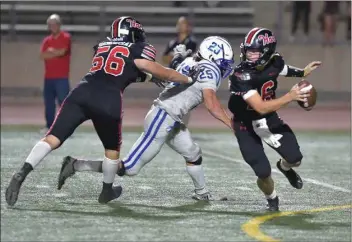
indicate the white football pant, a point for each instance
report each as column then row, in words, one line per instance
column 160, row 128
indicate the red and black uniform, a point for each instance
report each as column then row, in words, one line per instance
column 98, row 97
column 251, row 127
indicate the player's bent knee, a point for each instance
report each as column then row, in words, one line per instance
column 262, row 171
column 295, row 160
column 53, row 141
column 112, row 154
column 194, row 153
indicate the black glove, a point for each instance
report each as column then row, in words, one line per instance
column 194, row 73
column 176, row 61
column 180, row 53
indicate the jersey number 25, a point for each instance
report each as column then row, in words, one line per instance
column 113, row 64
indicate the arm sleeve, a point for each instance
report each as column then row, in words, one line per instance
column 291, row 71
column 287, row 70
column 144, row 51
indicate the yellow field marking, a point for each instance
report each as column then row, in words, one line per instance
column 251, row 228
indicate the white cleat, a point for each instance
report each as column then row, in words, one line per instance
column 204, row 197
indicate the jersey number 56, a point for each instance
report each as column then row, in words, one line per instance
column 113, row 64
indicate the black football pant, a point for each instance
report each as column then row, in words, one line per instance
column 275, row 133
column 91, row 102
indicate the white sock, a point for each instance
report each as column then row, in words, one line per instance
column 109, row 170
column 285, row 168
column 88, row 165
column 197, row 174
column 38, row 153
column 271, row 196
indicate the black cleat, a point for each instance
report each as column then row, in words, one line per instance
column 292, row 176
column 273, row 204
column 109, row 194
column 13, row 189
column 121, row 169
column 67, row 170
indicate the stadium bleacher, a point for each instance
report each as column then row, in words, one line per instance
column 87, row 19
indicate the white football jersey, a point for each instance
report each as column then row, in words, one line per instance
column 179, row 99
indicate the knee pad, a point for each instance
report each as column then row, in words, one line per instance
column 194, row 153
column 195, row 163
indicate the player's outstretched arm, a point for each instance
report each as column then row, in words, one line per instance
column 164, row 73
column 263, row 107
column 215, row 108
column 291, row 71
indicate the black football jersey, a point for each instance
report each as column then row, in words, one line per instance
column 113, row 63
column 245, row 80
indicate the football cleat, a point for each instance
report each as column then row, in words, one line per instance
column 273, row 204
column 292, row 176
column 204, row 197
column 13, row 189
column 67, row 170
column 109, row 194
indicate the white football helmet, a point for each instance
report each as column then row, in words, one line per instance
column 218, row 50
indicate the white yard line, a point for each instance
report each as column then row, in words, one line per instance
column 319, row 183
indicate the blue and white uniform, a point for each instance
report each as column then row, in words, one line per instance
column 163, row 123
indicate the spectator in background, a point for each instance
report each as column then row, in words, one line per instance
column 300, row 12
column 329, row 21
column 185, row 37
column 56, row 53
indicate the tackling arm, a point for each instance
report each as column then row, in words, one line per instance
column 215, row 108
column 161, row 72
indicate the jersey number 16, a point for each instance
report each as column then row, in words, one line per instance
column 113, row 64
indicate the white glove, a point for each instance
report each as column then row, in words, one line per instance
column 181, row 50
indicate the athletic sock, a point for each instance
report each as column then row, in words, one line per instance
column 109, row 168
column 285, row 168
column 197, row 174
column 271, row 196
column 38, row 153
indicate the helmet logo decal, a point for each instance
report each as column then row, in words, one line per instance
column 267, row 39
column 134, row 24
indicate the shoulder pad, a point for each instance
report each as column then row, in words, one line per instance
column 209, row 71
column 277, row 60
column 146, row 51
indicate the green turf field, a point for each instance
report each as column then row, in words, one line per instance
column 156, row 204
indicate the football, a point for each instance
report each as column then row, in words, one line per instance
column 310, row 102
